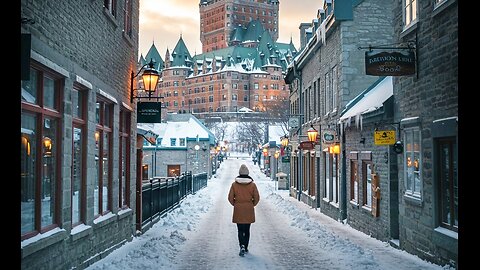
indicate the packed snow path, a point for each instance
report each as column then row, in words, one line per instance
column 287, row 234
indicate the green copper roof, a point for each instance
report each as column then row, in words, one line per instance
column 180, row 55
column 254, row 31
column 157, row 59
column 141, row 61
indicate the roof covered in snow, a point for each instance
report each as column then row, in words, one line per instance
column 369, row 100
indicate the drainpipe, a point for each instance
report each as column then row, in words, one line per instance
column 343, row 189
column 300, row 158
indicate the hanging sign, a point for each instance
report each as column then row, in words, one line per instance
column 149, row 112
column 390, row 63
column 307, row 145
column 385, row 137
column 328, row 136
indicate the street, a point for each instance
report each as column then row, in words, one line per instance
column 287, row 234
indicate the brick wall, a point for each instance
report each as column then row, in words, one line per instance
column 431, row 94
column 82, row 40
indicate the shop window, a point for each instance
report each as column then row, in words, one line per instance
column 367, row 169
column 103, row 157
column 124, row 158
column 40, row 157
column 354, row 181
column 413, row 163
column 79, row 108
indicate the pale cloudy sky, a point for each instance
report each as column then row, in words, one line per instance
column 163, row 21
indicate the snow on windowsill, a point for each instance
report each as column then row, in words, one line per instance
column 40, row 236
column 103, row 220
column 447, row 232
column 124, row 212
column 334, row 204
column 79, row 228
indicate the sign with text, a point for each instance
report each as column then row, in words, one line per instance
column 384, row 137
column 328, row 136
column 149, row 112
column 308, row 145
column 390, row 63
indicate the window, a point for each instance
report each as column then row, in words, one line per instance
column 326, row 176
column 409, row 12
column 448, row 183
column 79, row 109
column 255, row 86
column 182, row 141
column 103, row 153
column 335, row 178
column 245, row 87
column 367, row 183
column 128, row 18
column 41, row 118
column 111, row 6
column 334, row 89
column 255, row 97
column 354, row 181
column 234, row 97
column 210, row 98
column 412, row 163
column 245, row 98
column 327, row 93
column 124, row 159
column 173, row 141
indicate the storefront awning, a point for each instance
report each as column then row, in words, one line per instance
column 369, row 100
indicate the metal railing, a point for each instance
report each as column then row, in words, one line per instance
column 162, row 194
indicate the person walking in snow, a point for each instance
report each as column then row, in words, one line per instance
column 244, row 196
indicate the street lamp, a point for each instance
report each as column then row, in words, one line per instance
column 312, row 134
column 284, row 141
column 149, row 77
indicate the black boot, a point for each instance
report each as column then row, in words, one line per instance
column 242, row 251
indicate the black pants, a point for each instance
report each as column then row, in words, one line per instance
column 243, row 234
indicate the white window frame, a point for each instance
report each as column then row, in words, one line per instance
column 407, row 4
column 412, row 191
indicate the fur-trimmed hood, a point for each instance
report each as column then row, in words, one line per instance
column 243, row 179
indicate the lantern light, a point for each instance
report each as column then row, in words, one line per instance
column 150, row 79
column 312, row 134
column 284, row 141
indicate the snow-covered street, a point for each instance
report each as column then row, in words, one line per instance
column 287, row 234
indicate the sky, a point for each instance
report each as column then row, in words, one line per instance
column 287, row 234
column 163, row 21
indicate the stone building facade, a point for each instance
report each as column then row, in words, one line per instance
column 426, row 106
column 187, row 132
column 370, row 167
column 329, row 73
column 219, row 18
column 76, row 111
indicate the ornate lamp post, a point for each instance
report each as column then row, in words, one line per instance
column 149, row 77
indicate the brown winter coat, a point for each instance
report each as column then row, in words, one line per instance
column 243, row 196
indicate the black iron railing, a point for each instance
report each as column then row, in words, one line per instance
column 162, row 194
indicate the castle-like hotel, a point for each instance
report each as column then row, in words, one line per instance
column 242, row 65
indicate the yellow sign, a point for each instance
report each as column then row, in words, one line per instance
column 384, row 137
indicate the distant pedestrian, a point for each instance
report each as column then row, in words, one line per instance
column 244, row 197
